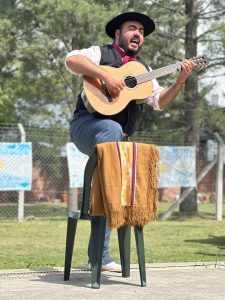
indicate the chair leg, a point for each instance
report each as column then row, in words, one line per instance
column 138, row 230
column 71, row 231
column 124, row 233
column 98, row 226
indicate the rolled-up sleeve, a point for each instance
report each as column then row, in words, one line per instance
column 93, row 53
column 153, row 99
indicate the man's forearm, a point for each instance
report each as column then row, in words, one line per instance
column 82, row 65
column 167, row 95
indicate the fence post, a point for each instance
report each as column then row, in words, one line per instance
column 219, row 178
column 20, row 215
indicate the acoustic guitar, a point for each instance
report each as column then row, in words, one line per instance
column 138, row 85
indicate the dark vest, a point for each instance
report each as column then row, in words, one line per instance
column 129, row 116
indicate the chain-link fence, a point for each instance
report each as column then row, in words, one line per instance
column 51, row 196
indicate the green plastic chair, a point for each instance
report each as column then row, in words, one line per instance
column 98, row 226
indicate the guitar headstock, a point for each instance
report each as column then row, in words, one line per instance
column 201, row 61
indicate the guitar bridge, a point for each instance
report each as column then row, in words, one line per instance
column 107, row 93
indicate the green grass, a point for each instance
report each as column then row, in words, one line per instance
column 41, row 244
column 31, row 211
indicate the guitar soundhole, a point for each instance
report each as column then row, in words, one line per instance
column 130, row 81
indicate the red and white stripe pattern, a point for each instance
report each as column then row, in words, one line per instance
column 127, row 154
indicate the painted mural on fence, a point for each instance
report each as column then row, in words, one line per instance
column 177, row 166
column 76, row 163
column 15, row 166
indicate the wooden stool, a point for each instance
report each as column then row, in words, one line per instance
column 98, row 226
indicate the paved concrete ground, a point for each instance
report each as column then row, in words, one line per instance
column 165, row 281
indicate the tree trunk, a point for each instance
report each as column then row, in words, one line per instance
column 189, row 206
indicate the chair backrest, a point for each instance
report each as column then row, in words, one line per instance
column 88, row 173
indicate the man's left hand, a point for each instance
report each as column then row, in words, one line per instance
column 187, row 66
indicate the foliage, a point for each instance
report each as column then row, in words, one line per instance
column 35, row 87
column 42, row 88
column 7, row 47
column 174, row 39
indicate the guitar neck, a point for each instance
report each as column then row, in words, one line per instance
column 158, row 73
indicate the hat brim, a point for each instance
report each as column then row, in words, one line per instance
column 112, row 25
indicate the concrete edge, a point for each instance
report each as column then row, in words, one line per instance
column 134, row 267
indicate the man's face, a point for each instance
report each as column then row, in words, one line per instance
column 130, row 37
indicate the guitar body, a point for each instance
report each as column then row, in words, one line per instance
column 105, row 104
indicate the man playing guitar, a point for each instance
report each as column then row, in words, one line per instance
column 89, row 127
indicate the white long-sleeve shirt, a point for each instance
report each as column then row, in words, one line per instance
column 94, row 54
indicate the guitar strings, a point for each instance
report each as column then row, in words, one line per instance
column 133, row 81
column 152, row 75
column 157, row 73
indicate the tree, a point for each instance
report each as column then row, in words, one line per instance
column 196, row 11
column 8, row 47
column 183, row 30
column 43, row 32
column 164, row 47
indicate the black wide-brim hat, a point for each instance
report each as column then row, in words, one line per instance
column 148, row 23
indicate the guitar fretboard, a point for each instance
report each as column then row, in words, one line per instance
column 158, row 73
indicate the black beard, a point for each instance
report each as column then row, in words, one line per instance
column 128, row 51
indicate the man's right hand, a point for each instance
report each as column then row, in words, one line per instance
column 114, row 84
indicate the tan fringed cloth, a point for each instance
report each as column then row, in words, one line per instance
column 125, row 183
